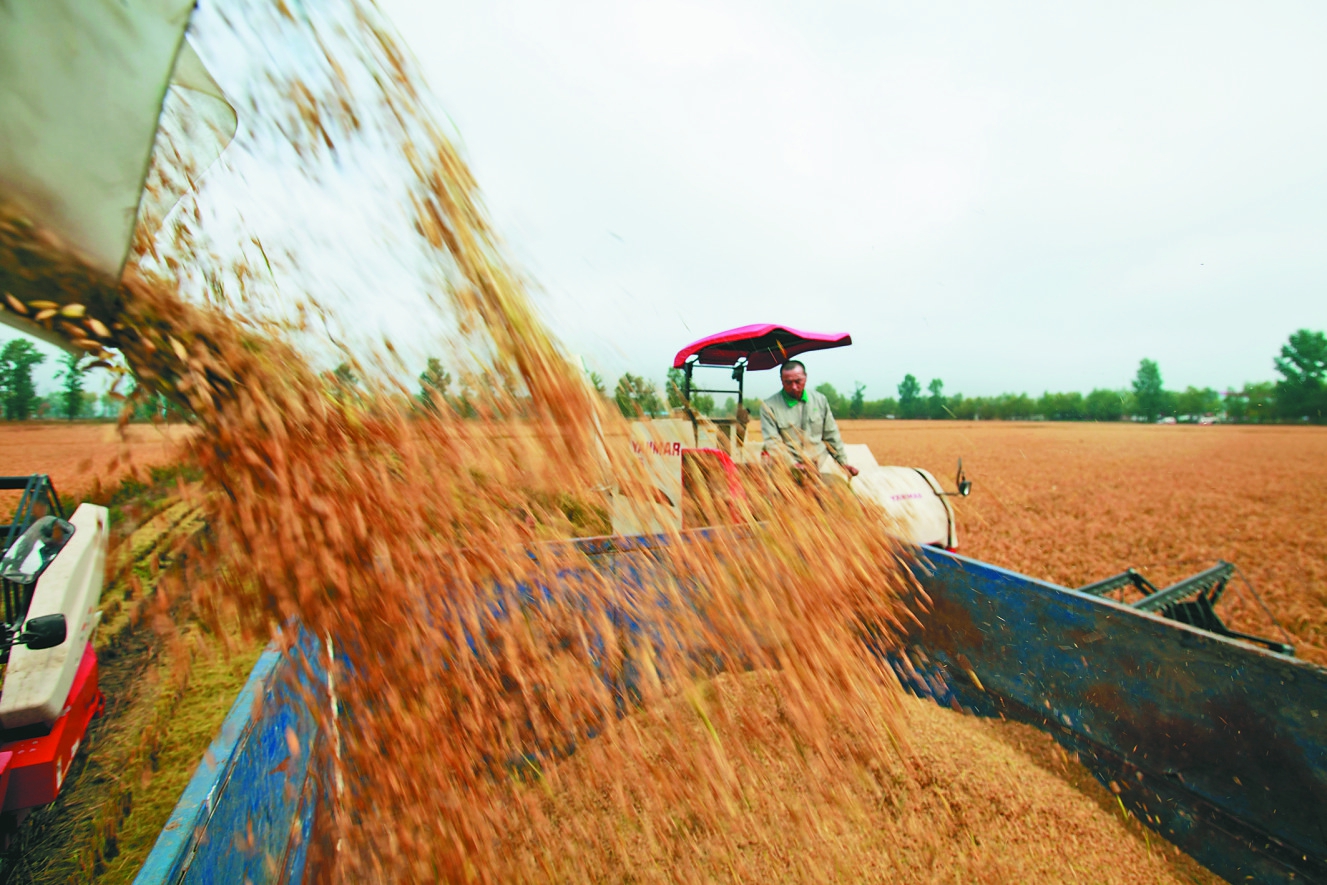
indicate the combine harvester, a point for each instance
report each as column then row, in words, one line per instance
column 1213, row 738
column 1216, row 740
column 51, row 578
column 692, row 449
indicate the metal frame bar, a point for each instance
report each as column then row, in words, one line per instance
column 739, row 375
column 1123, row 579
column 1214, row 579
column 1206, row 587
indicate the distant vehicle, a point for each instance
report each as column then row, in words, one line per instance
column 1169, row 419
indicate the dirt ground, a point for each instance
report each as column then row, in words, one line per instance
column 75, row 453
column 1076, row 502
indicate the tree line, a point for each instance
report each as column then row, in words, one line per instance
column 19, row 399
column 1300, row 395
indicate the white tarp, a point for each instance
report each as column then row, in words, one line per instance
column 81, row 89
column 911, row 498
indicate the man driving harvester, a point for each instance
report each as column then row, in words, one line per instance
column 798, row 426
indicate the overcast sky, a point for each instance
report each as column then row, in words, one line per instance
column 1007, row 196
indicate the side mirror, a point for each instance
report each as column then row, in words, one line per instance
column 46, row 631
column 961, row 481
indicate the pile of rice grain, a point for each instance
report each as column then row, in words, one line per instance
column 967, row 800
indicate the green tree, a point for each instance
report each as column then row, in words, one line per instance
column 857, row 404
column 17, row 359
column 1255, row 404
column 909, row 393
column 1062, row 406
column 1196, row 402
column 597, row 382
column 636, row 397
column 837, row 404
column 880, row 408
column 1301, row 392
column 71, row 391
column 1148, row 390
column 433, row 384
column 1015, row 407
column 345, row 375
column 1104, row 405
column 935, row 405
column 673, row 385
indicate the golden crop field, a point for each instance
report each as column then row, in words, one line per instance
column 77, row 454
column 1076, row 502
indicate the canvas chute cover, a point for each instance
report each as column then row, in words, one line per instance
column 82, row 84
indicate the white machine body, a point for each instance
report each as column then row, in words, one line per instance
column 912, row 499
column 37, row 683
column 915, row 505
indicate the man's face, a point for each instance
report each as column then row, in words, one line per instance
column 794, row 382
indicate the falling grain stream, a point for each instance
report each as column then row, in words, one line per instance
column 385, row 527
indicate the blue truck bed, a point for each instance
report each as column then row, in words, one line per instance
column 1217, row 744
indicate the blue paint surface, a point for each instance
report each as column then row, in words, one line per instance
column 1219, row 745
column 235, row 820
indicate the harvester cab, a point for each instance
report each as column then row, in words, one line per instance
column 689, row 450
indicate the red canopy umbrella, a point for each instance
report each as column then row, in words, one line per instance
column 763, row 345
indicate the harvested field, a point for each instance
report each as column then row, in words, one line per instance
column 1074, row 503
column 77, row 454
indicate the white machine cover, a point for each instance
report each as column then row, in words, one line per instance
column 37, row 683
column 81, row 89
column 911, row 498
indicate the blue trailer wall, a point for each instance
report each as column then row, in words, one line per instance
column 1219, row 745
column 247, row 814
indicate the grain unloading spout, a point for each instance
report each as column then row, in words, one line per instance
column 82, row 86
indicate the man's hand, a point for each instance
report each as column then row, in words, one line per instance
column 852, row 471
